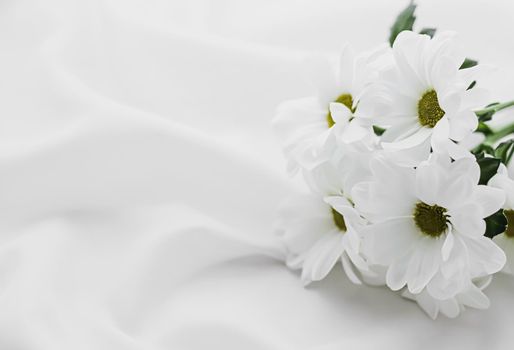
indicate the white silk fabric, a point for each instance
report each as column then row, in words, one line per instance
column 139, row 177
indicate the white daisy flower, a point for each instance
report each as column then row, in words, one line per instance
column 424, row 100
column 317, row 234
column 311, row 128
column 471, row 296
column 427, row 224
column 504, row 181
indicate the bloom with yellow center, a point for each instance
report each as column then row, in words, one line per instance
column 319, row 233
column 427, row 224
column 312, row 128
column 423, row 100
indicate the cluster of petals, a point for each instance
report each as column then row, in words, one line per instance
column 403, row 207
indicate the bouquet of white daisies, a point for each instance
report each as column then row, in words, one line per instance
column 409, row 186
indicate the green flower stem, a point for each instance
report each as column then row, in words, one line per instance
column 497, row 135
column 495, row 108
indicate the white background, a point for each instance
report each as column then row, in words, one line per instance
column 139, row 176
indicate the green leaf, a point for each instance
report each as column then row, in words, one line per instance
column 484, row 117
column 428, row 31
column 505, row 151
column 488, row 167
column 484, row 128
column 468, row 63
column 479, row 155
column 378, row 130
column 495, row 224
column 483, row 149
column 472, row 85
column 404, row 21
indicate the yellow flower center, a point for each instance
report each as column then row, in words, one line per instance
column 429, row 110
column 345, row 99
column 430, row 219
column 339, row 220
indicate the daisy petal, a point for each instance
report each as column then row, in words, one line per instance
column 413, row 140
column 485, row 256
column 442, row 288
column 490, row 199
column 467, row 220
column 451, row 102
column 440, row 135
column 474, row 297
column 392, row 238
column 448, row 245
column 425, row 265
column 475, row 97
column 428, row 180
column 463, row 125
column 346, row 68
column 355, row 131
column 449, row 307
column 468, row 168
column 357, row 260
column 428, row 304
column 348, row 269
column 320, row 70
column 396, row 276
column 340, row 113
column 401, row 130
column 324, row 256
column 506, row 243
